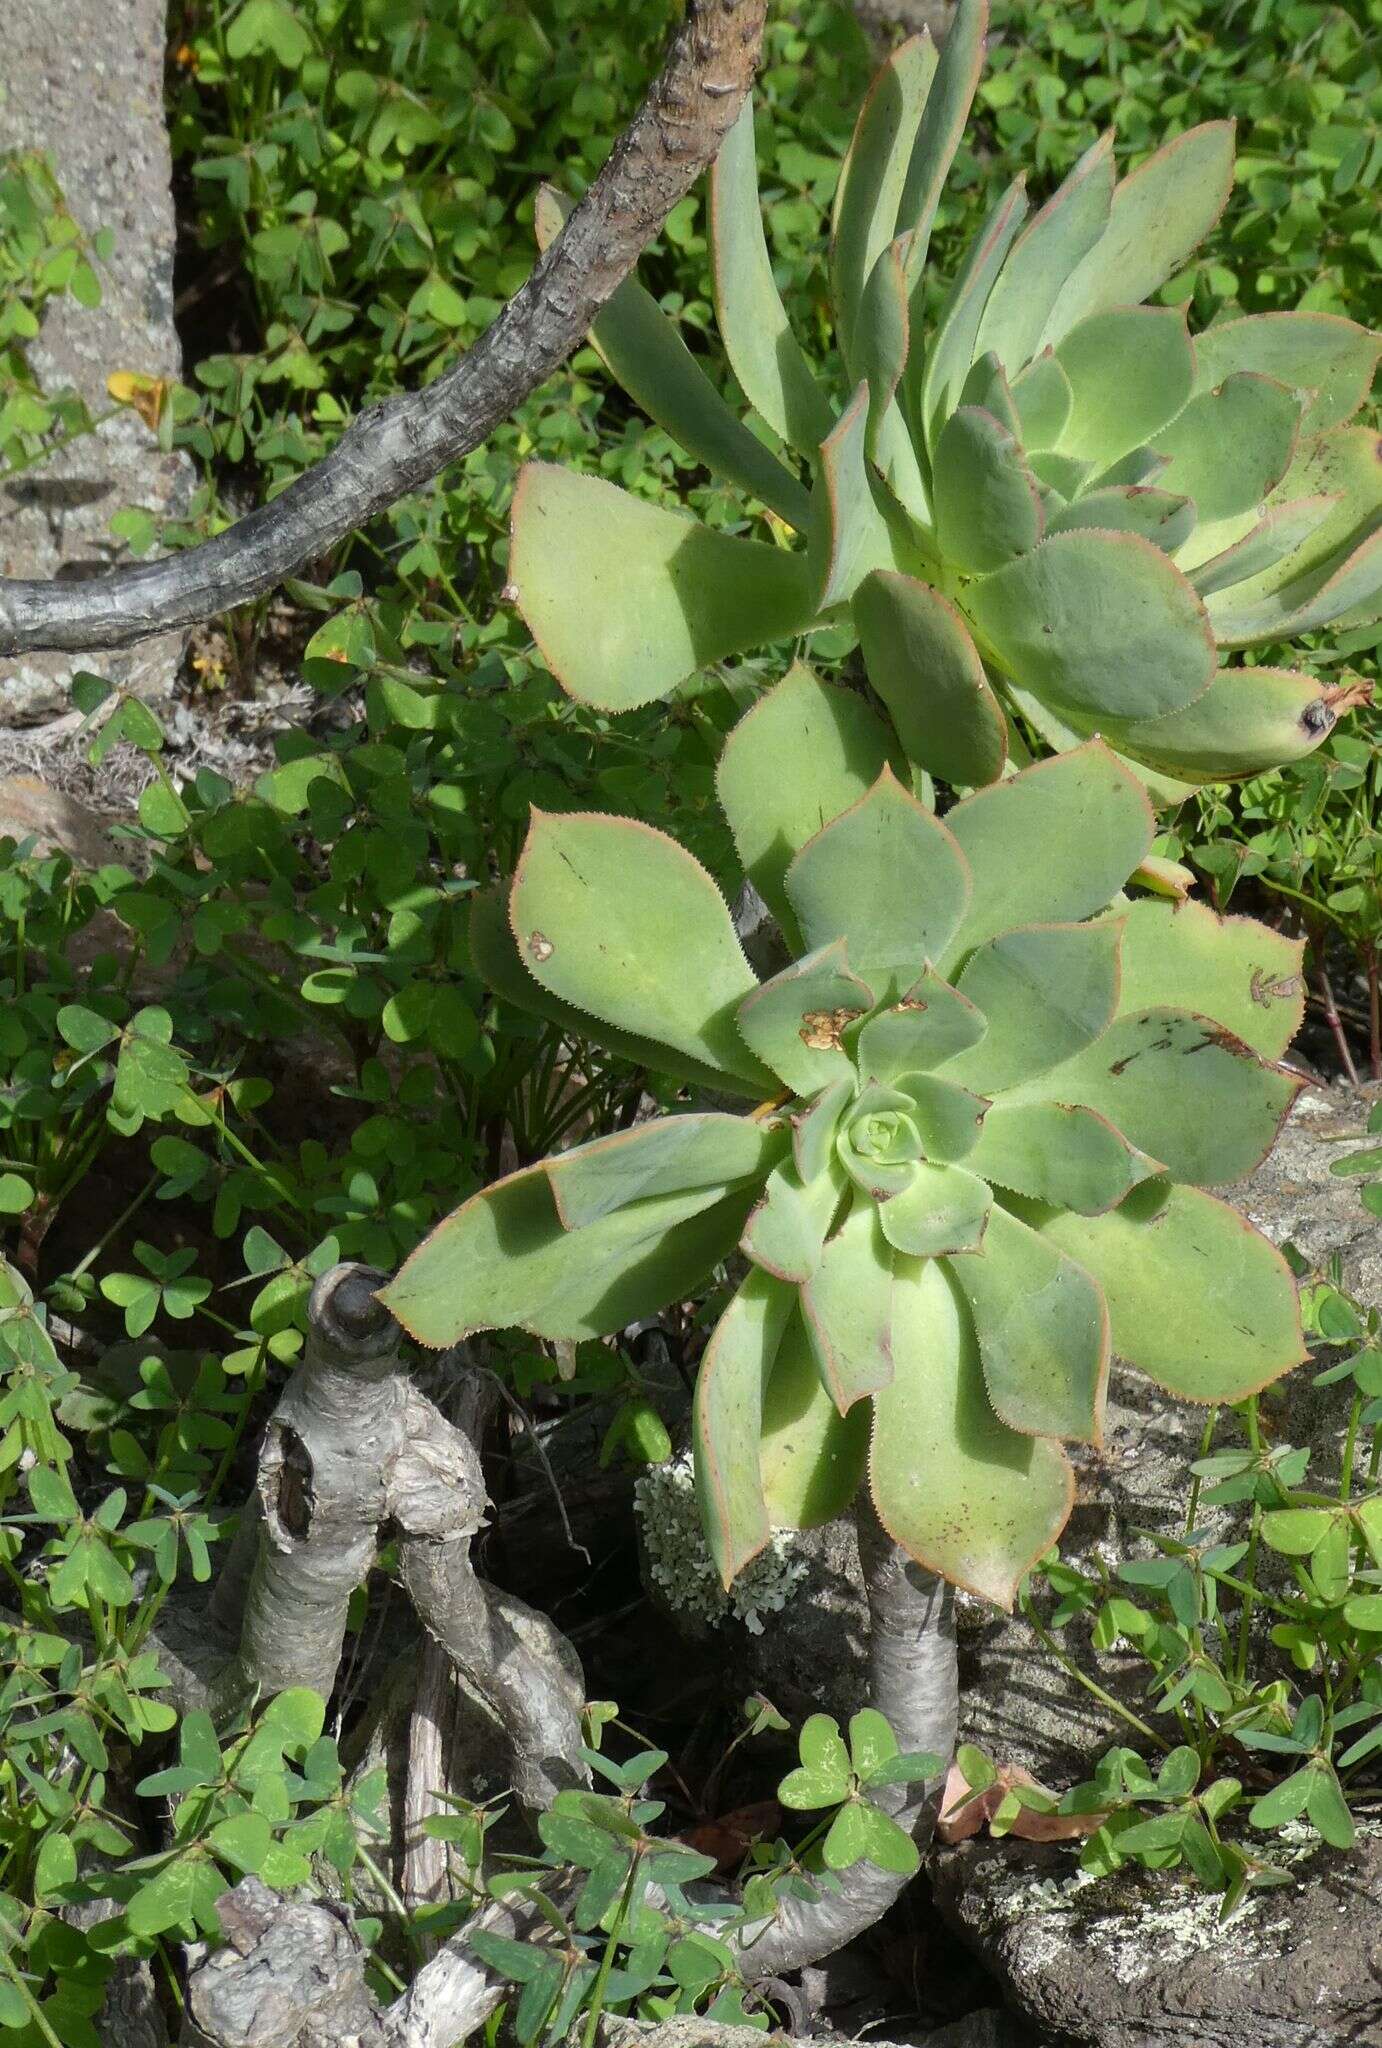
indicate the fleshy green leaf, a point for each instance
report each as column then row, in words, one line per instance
column 1071, row 1157
column 1248, row 720
column 1159, row 213
column 952, row 350
column 1082, row 824
column 1045, row 992
column 1241, row 973
column 850, row 535
column 1044, row 401
column 942, row 1209
column 804, row 753
column 942, row 124
column 963, row 1494
column 793, row 1023
column 1181, row 1088
column 1156, row 516
column 1042, row 258
column 1043, row 1331
column 728, row 1410
column 888, row 878
column 495, row 956
column 1131, row 370
column 621, row 921
column 847, row 1308
column 786, row 1231
column 763, row 352
column 815, row 1128
column 1215, row 561
column 872, row 180
column 924, row 665
column 987, row 506
column 671, row 1155
column 1348, row 585
column 1199, row 1300
column 947, row 1116
column 643, row 351
column 1101, row 624
column 1231, row 445
column 931, row 1025
column 503, row 1261
column 625, row 599
column 1319, row 353
column 812, row 1457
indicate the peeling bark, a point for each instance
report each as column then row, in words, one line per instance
column 395, row 447
column 354, row 1448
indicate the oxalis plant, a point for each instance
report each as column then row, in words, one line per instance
column 1058, row 506
column 982, row 1103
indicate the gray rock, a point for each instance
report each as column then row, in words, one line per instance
column 812, row 1655
column 85, row 84
column 1295, row 1197
column 1145, row 1962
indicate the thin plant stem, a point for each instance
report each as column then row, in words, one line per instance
column 1072, row 1670
column 1336, row 1023
column 597, row 1996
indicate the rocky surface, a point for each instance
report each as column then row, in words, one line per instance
column 1145, row 1962
column 977, row 2030
column 1295, row 1197
column 85, row 84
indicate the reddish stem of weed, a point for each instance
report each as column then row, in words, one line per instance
column 1336, row 1025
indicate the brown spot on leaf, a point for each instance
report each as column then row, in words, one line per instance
column 1264, row 989
column 539, row 947
column 822, row 1030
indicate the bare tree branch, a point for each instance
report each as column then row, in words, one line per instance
column 393, row 448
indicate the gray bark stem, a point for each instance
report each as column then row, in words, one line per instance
column 354, row 1447
column 395, row 447
column 914, row 1683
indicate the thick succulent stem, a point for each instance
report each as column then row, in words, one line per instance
column 396, row 447
column 914, row 1682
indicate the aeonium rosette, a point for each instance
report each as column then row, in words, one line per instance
column 990, row 1093
column 1051, row 508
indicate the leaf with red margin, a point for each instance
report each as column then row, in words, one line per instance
column 1199, row 1300
column 959, row 1491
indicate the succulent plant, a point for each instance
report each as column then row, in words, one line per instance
column 1062, row 505
column 991, row 1090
